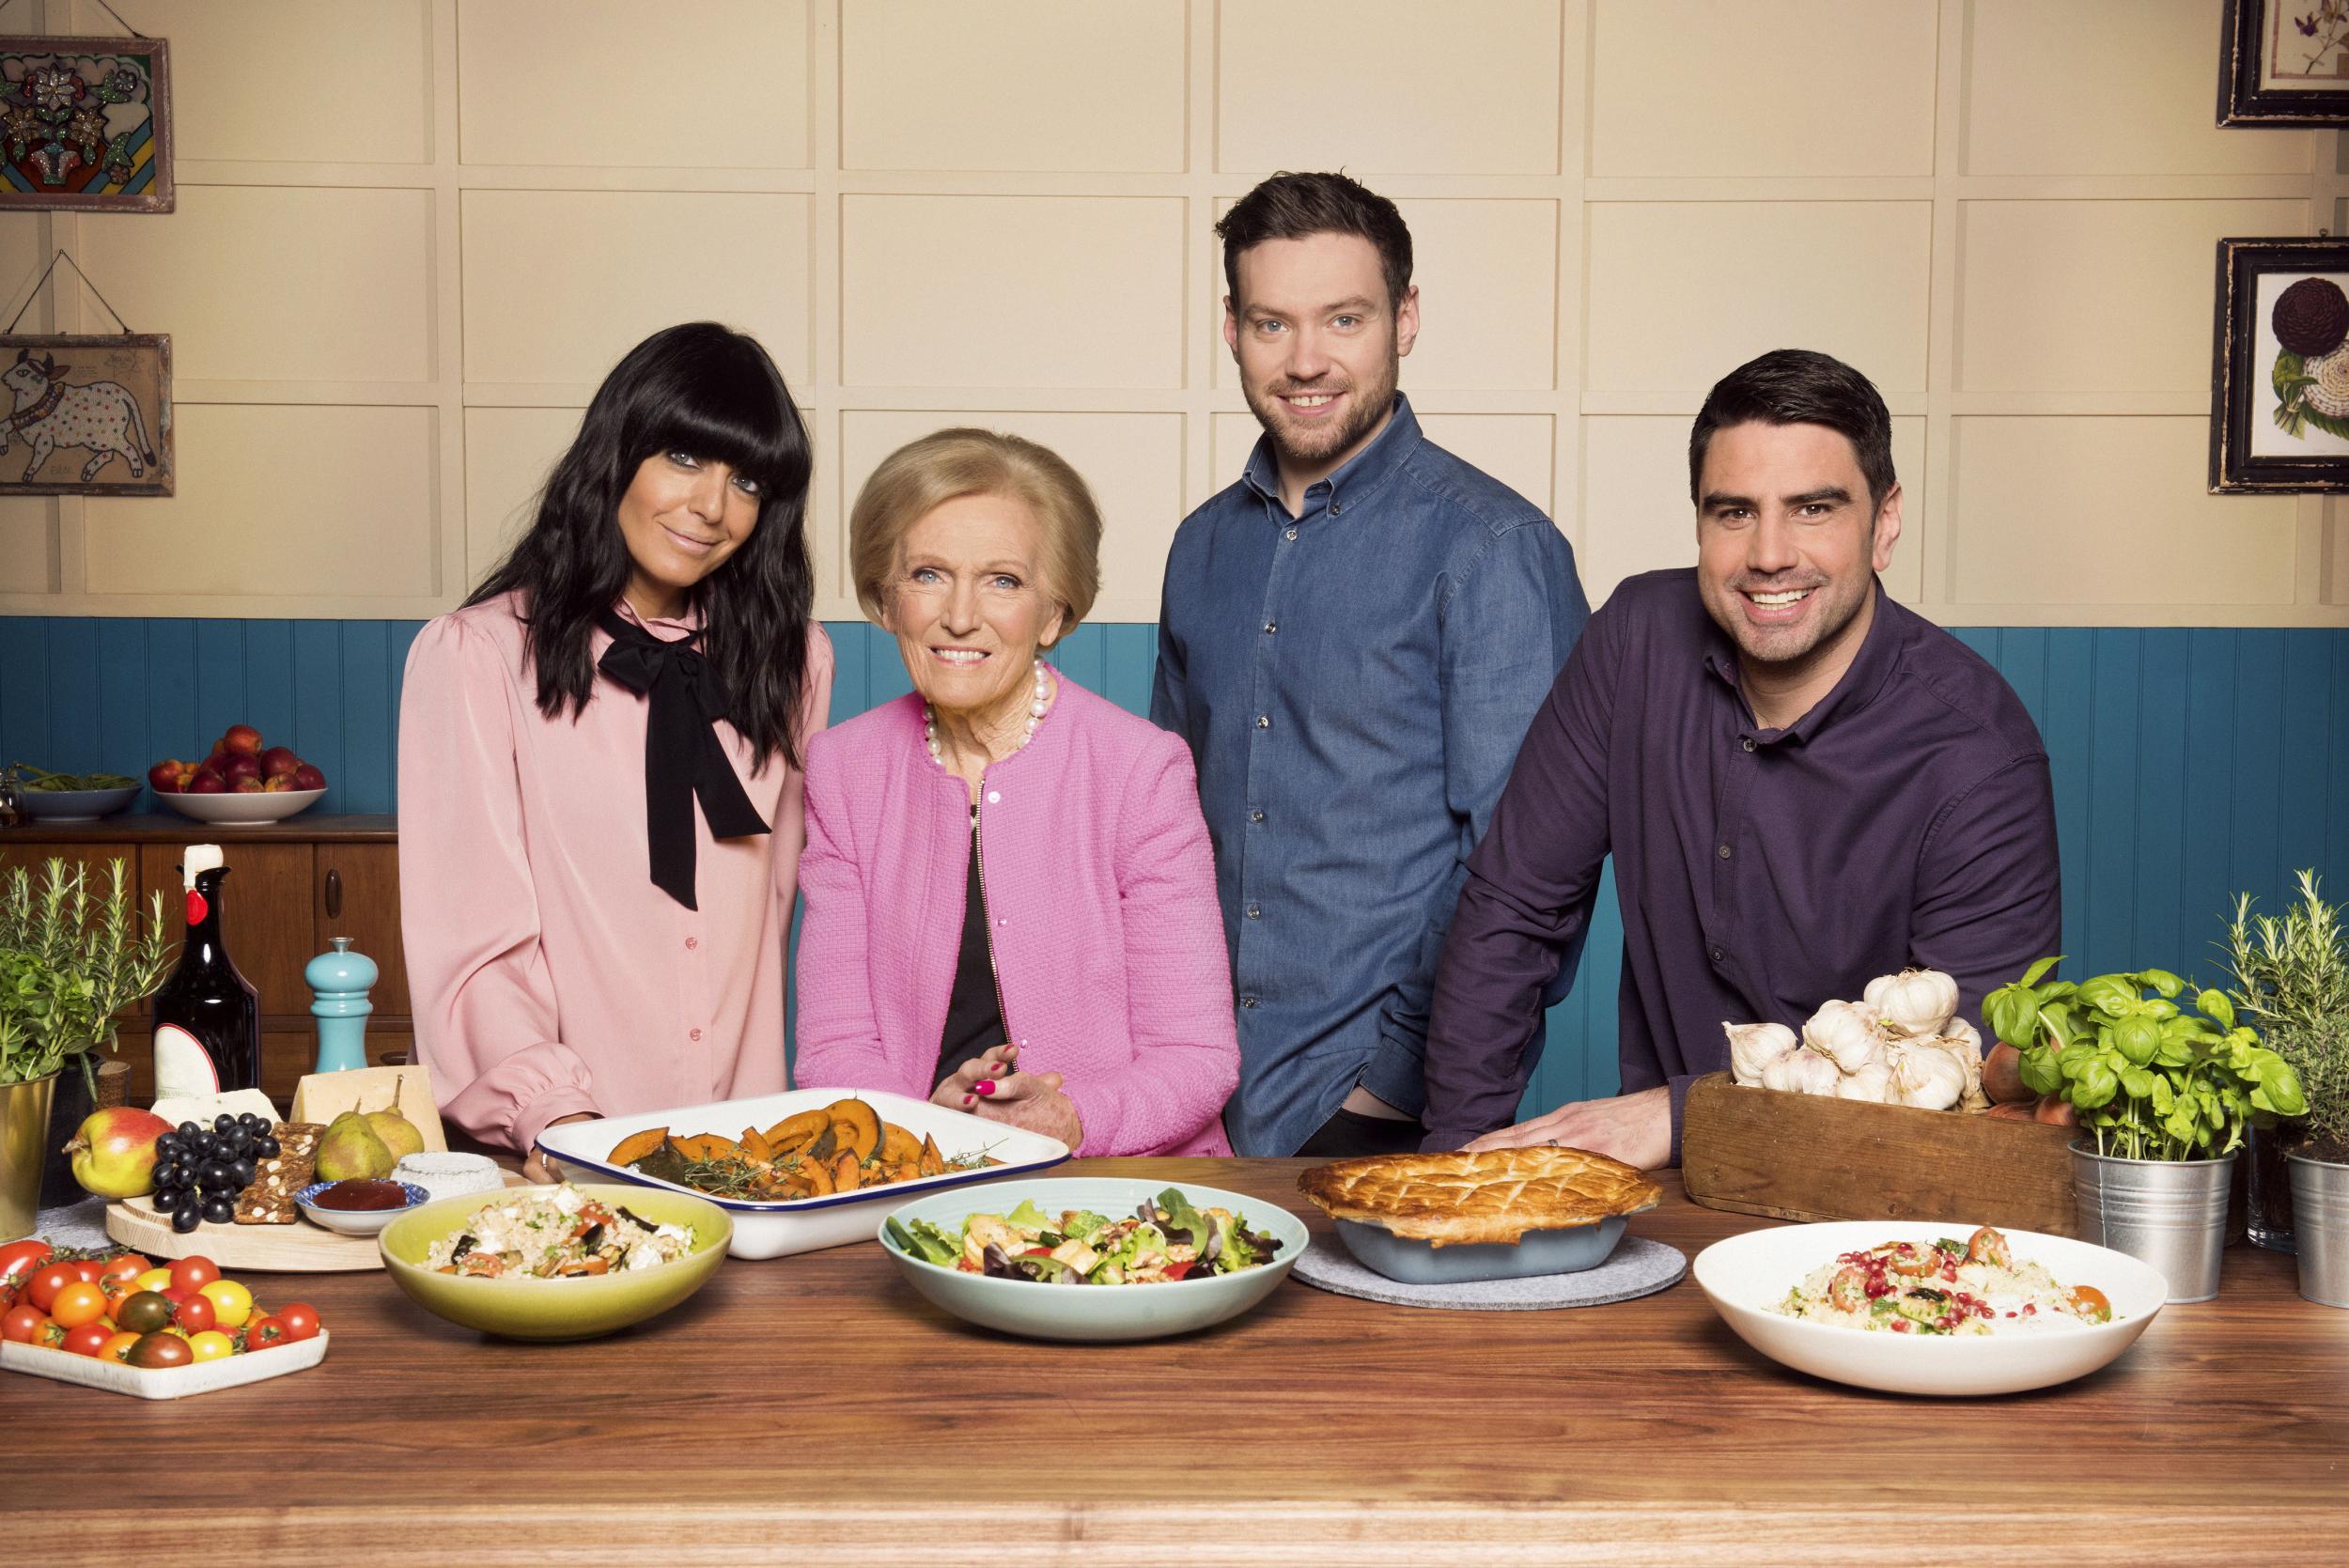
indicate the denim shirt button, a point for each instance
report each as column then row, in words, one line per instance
column 1263, row 721
column 1289, row 534
column 1255, row 911
column 1255, row 817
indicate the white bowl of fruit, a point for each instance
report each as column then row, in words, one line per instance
column 242, row 783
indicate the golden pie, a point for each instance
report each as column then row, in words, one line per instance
column 1449, row 1200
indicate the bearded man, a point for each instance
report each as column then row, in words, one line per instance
column 1352, row 640
column 1804, row 786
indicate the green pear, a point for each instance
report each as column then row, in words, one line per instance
column 399, row 1133
column 352, row 1151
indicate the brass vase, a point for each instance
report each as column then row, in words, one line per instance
column 23, row 1144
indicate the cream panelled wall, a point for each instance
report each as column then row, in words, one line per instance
column 413, row 234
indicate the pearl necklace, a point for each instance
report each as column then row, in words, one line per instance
column 1037, row 704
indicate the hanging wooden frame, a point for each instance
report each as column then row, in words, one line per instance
column 86, row 124
column 85, row 414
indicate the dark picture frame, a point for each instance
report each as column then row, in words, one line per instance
column 79, row 412
column 73, row 136
column 2280, row 368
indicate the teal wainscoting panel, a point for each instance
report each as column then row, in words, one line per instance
column 2189, row 764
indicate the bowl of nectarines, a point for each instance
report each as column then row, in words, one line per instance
column 240, row 782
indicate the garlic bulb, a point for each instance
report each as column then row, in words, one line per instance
column 1872, row 1083
column 1809, row 1073
column 1914, row 1005
column 1778, row 1072
column 1754, row 1046
column 1925, row 1076
column 1846, row 1035
column 1962, row 1042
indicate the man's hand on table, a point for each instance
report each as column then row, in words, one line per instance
column 1634, row 1128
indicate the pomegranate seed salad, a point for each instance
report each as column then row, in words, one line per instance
column 1943, row 1287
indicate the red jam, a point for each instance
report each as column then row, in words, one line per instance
column 363, row 1195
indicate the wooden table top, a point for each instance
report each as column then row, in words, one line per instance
column 817, row 1402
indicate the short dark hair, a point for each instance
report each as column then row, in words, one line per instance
column 1292, row 206
column 1796, row 386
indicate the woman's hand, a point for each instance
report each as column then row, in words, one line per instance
column 535, row 1168
column 960, row 1088
column 992, row 1086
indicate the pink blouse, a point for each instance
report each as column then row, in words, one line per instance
column 547, row 974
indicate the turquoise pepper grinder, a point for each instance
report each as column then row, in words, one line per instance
column 340, row 980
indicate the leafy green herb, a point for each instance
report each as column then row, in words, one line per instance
column 2290, row 973
column 72, row 958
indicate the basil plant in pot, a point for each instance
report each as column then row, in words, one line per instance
column 2165, row 1092
column 2292, row 976
column 72, row 955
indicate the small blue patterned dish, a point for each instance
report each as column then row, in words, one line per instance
column 356, row 1222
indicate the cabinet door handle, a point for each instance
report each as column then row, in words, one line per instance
column 333, row 895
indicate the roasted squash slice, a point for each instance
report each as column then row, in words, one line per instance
column 933, row 1163
column 847, row 1173
column 705, row 1145
column 792, row 1131
column 855, row 1126
column 755, row 1146
column 904, row 1172
column 814, row 1176
column 898, row 1145
column 629, row 1150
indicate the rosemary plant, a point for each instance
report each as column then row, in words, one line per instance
column 2291, row 974
column 72, row 956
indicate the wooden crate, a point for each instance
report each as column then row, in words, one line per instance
column 1805, row 1156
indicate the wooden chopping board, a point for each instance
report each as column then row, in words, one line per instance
column 300, row 1247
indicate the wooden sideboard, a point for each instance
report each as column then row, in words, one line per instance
column 291, row 886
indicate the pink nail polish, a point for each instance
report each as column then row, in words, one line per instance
column 967, row 1100
column 984, row 1086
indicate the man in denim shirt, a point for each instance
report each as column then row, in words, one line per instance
column 1352, row 639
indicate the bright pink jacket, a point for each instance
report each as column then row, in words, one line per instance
column 1099, row 879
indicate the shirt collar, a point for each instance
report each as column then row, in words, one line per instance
column 1361, row 475
column 1870, row 667
column 668, row 629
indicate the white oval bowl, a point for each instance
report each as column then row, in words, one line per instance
column 1745, row 1276
column 232, row 809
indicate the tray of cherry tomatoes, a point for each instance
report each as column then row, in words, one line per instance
column 114, row 1320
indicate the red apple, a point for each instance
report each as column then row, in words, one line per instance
column 246, row 786
column 114, row 1151
column 307, row 777
column 163, row 778
column 239, row 766
column 205, row 783
column 278, row 759
column 243, row 738
column 277, row 784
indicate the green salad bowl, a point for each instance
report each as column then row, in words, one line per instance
column 571, row 1309
column 1093, row 1314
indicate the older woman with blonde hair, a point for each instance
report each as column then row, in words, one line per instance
column 1010, row 892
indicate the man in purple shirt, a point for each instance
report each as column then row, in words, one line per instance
column 1804, row 786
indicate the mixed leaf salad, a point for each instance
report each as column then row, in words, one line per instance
column 1165, row 1238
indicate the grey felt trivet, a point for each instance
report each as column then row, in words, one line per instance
column 1637, row 1268
column 79, row 1224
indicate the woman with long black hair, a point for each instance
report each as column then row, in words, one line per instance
column 600, row 762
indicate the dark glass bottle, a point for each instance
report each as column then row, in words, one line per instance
column 208, row 1016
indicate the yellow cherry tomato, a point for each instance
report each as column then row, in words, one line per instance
column 117, row 1348
column 231, row 1302
column 212, row 1345
column 155, row 1279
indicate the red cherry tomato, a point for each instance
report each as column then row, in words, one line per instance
column 260, row 1333
column 299, row 1321
column 87, row 1339
column 87, row 1270
column 47, row 1280
column 122, row 1266
column 21, row 1257
column 22, row 1324
column 118, row 1288
column 196, row 1315
column 193, row 1273
column 79, row 1303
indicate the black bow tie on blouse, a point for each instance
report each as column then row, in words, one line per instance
column 683, row 756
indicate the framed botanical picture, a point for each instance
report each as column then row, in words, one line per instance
column 2284, row 62
column 87, row 415
column 2279, row 370
column 84, row 125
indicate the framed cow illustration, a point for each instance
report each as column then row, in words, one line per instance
column 85, row 414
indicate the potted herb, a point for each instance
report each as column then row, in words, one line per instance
column 2292, row 975
column 72, row 956
column 2165, row 1092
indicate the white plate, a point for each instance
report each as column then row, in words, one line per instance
column 197, row 1377
column 806, row 1225
column 229, row 809
column 1745, row 1276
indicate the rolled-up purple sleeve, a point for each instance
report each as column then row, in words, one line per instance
column 1528, row 898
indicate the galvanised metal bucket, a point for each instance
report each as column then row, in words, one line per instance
column 2170, row 1213
column 2320, row 1228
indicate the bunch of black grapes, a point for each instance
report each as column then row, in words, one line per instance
column 199, row 1169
